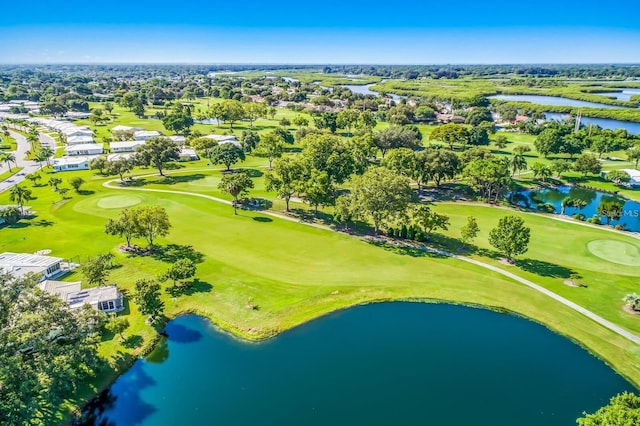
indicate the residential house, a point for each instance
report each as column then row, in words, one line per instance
column 145, row 135
column 64, row 164
column 104, row 298
column 225, row 139
column 84, row 149
column 79, row 139
column 21, row 264
column 188, row 154
column 126, row 146
column 634, row 175
column 179, row 140
column 121, row 128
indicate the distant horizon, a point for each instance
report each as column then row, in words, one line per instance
column 340, row 64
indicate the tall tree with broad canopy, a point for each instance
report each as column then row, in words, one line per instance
column 227, row 154
column 510, row 237
column 271, row 146
column 157, row 152
column 124, row 225
column 426, row 220
column 237, row 185
column 151, row 222
column 395, row 137
column 319, row 190
column 180, row 270
column 147, row 297
column 450, row 134
column 286, row 178
column 380, row 195
column 330, row 154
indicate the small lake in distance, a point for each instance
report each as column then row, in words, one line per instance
column 551, row 100
column 381, row 364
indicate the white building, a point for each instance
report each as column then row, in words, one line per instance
column 119, row 156
column 225, row 139
column 105, row 298
column 64, row 164
column 188, row 154
column 126, row 146
column 120, row 128
column 634, row 175
column 79, row 139
column 84, row 149
column 21, row 264
column 144, row 135
column 178, row 140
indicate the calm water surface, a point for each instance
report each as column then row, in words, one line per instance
column 605, row 123
column 550, row 100
column 383, row 364
column 631, row 209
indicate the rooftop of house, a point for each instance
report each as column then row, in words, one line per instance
column 20, row 264
column 92, row 296
column 126, row 144
column 121, row 128
column 84, row 147
column 63, row 161
column 60, row 288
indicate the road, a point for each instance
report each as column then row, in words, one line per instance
column 28, row 165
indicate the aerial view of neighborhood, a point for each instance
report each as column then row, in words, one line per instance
column 372, row 214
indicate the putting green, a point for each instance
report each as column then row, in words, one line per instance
column 119, row 201
column 615, row 251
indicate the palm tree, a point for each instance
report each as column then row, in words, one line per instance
column 8, row 158
column 46, row 153
column 54, row 182
column 566, row 202
column 20, row 195
column 33, row 140
column 517, row 162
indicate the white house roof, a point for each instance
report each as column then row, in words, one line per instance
column 121, row 128
column 78, row 140
column 633, row 174
column 92, row 296
column 180, row 140
column 19, row 264
column 60, row 288
column 146, row 134
column 84, row 147
column 65, row 161
column 118, row 156
column 224, row 139
column 188, row 152
column 126, row 144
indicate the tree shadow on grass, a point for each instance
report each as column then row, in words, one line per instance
column 174, row 166
column 86, row 192
column 133, row 182
column 545, row 269
column 189, row 288
column 133, row 341
column 42, row 222
column 262, row 219
column 173, row 252
column 172, row 180
column 252, row 173
column 406, row 250
column 311, row 216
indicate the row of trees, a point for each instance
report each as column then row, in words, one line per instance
column 148, row 222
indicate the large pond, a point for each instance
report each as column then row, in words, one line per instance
column 605, row 123
column 382, row 364
column 550, row 100
column 631, row 209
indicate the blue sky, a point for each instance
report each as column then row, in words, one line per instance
column 286, row 31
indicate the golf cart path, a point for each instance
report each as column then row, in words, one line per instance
column 603, row 322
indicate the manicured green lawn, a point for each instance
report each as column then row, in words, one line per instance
column 6, row 175
column 294, row 273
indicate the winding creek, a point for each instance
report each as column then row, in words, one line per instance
column 389, row 363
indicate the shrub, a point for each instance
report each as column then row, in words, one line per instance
column 595, row 219
column 419, row 236
column 403, row 231
column 390, row 232
column 579, row 216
